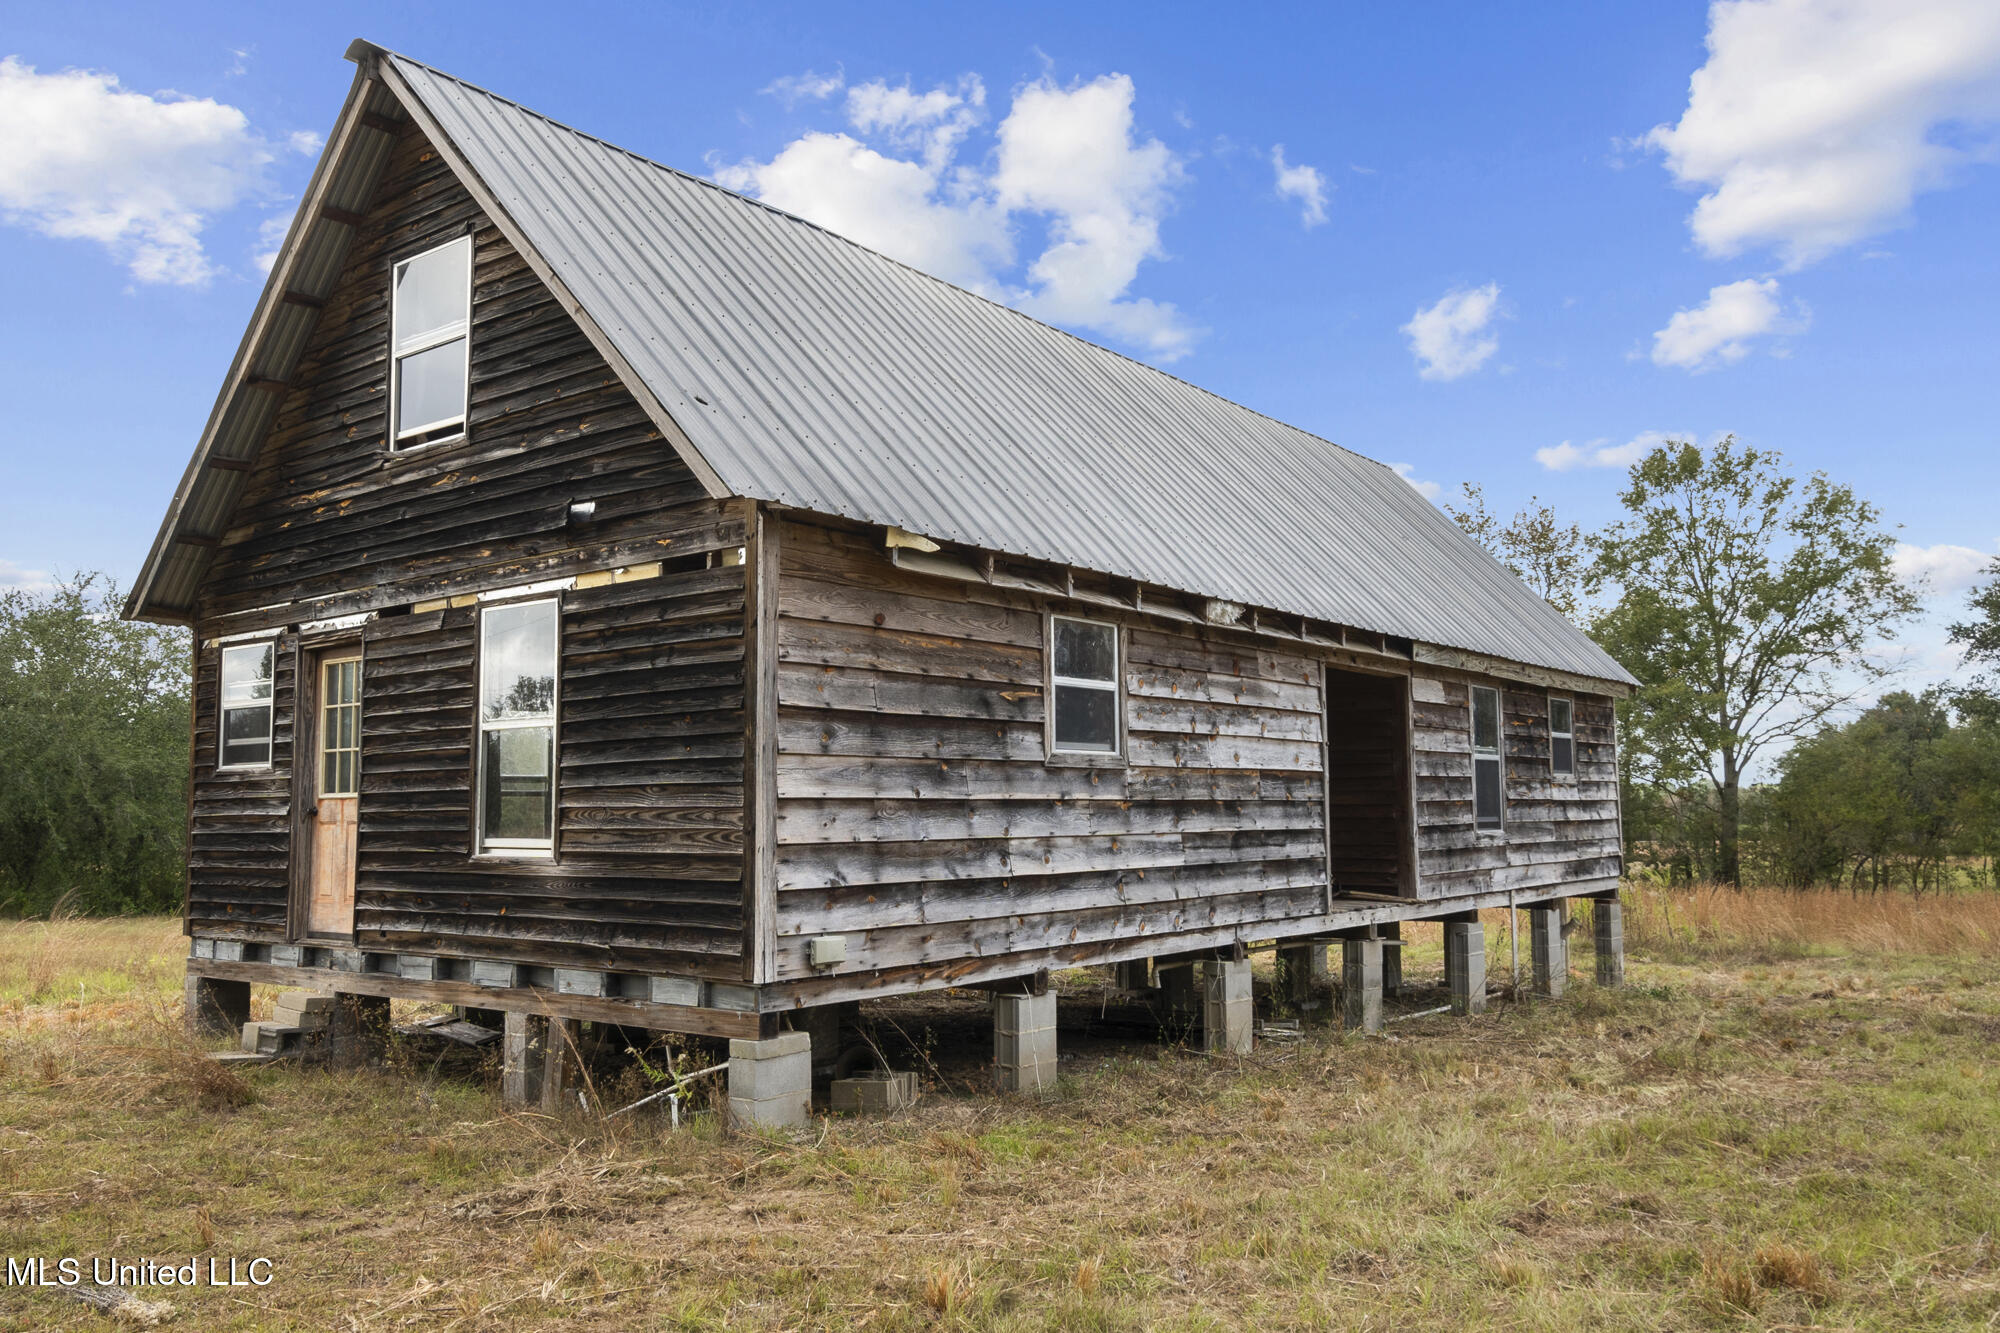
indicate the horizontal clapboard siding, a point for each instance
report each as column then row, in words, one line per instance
column 1558, row 831
column 917, row 813
column 239, row 847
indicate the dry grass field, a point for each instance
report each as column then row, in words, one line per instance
column 1789, row 1119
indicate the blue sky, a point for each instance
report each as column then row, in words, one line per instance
column 1502, row 243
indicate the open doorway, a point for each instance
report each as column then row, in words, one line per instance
column 1370, row 844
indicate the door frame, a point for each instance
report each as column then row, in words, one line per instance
column 308, row 665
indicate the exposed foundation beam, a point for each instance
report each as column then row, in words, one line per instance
column 526, row 999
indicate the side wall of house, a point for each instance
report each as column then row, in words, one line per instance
column 648, row 869
column 919, row 816
column 1557, row 831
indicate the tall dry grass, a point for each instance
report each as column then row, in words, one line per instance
column 67, row 955
column 1709, row 921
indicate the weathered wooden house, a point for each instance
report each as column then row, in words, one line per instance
column 618, row 600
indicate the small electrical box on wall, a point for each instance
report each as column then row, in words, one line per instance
column 826, row 950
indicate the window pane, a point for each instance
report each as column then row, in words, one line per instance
column 517, row 662
column 1086, row 651
column 1562, row 754
column 1486, row 792
column 432, row 292
column 246, row 735
column 1086, row 719
column 430, row 387
column 246, row 673
column 1485, row 719
column 1559, row 715
column 518, row 799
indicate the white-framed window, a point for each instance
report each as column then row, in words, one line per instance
column 244, row 739
column 518, row 644
column 430, row 318
column 1562, row 736
column 1488, row 798
column 1084, row 686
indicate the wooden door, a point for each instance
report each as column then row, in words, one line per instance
column 336, row 797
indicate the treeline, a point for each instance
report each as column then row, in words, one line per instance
column 93, row 754
column 1756, row 608
column 1904, row 797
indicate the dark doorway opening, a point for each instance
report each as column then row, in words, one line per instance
column 1369, row 808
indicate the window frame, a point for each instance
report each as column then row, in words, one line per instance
column 1563, row 774
column 321, row 708
column 1495, row 755
column 530, row 849
column 223, row 708
column 1115, row 686
column 397, row 355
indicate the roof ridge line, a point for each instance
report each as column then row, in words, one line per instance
column 869, row 250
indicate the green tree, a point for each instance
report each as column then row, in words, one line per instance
column 1747, row 603
column 93, row 752
column 1550, row 556
column 1981, row 639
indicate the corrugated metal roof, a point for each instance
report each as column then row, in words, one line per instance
column 813, row 372
column 809, row 371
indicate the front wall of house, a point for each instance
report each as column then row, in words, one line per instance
column 648, row 866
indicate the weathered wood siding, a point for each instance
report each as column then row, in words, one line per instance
column 919, row 816
column 330, row 514
column 648, row 871
column 239, row 839
column 1558, row 831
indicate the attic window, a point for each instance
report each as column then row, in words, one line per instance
column 431, row 318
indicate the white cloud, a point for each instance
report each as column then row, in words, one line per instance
column 1599, row 453
column 1428, row 489
column 1066, row 157
column 1069, row 155
column 933, row 123
column 1814, row 124
column 1452, row 337
column 19, row 578
column 1718, row 331
column 1302, row 183
column 85, row 159
column 885, row 203
column 1943, row 568
column 807, row 87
